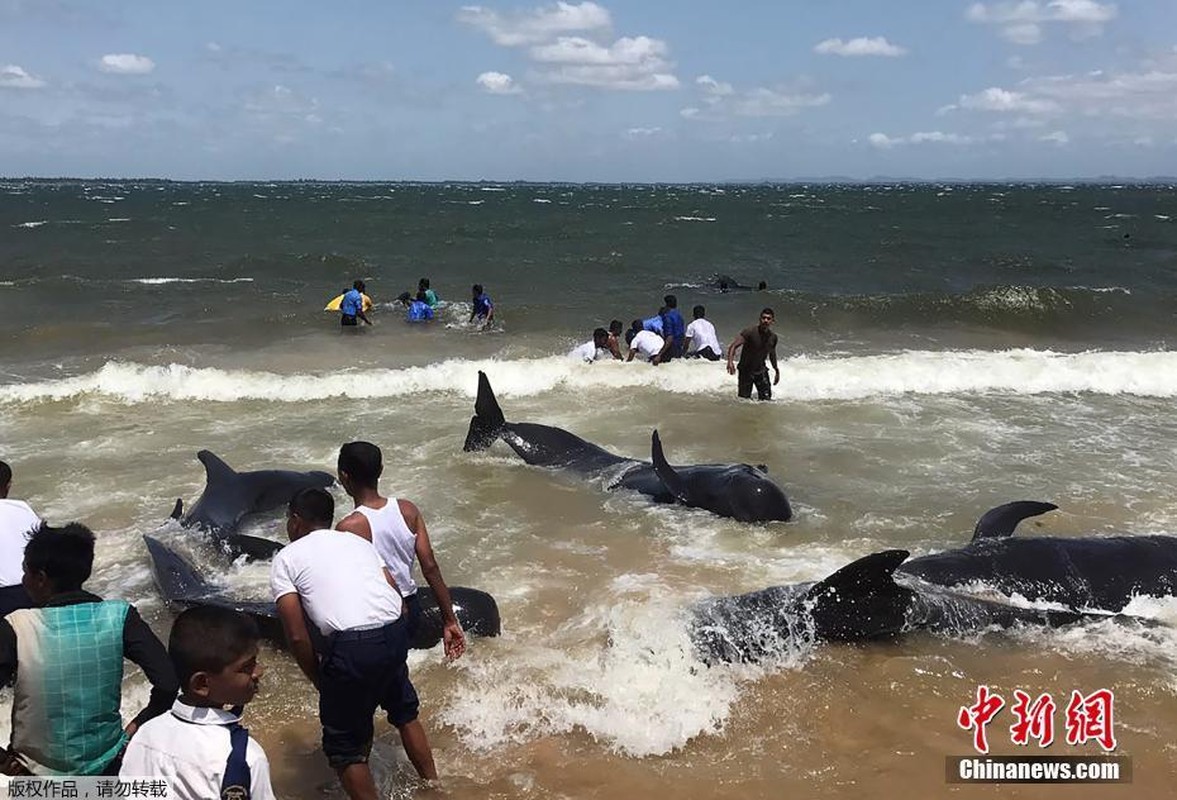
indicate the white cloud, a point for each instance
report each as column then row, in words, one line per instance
column 642, row 133
column 764, row 102
column 279, row 100
column 884, row 142
column 14, row 77
column 497, row 83
column 713, row 87
column 636, row 63
column 862, row 46
column 1022, row 22
column 539, row 25
column 997, row 99
column 126, row 64
column 1057, row 137
column 722, row 100
column 750, row 138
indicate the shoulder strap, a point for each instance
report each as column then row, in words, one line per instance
column 237, row 780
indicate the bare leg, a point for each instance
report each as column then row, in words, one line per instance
column 417, row 747
column 358, row 782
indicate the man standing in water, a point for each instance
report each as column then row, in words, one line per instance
column 351, row 307
column 758, row 343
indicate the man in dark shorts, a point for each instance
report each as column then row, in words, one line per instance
column 340, row 583
column 759, row 344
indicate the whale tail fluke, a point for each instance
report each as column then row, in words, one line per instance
column 1000, row 522
column 488, row 420
column 861, row 601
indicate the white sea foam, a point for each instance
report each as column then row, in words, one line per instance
column 119, row 219
column 36, row 224
column 160, row 281
column 695, row 219
column 623, row 671
column 1018, row 372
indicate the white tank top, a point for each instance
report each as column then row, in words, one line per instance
column 396, row 544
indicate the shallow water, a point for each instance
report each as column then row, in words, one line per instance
column 912, row 400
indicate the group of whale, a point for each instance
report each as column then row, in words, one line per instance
column 880, row 596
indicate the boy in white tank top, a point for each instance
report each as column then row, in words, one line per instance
column 397, row 530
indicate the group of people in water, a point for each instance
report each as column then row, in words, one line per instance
column 419, row 307
column 348, row 604
column 664, row 336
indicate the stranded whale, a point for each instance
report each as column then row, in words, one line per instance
column 182, row 585
column 1095, row 572
column 740, row 491
column 229, row 496
column 858, row 603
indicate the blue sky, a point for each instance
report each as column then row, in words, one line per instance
column 657, row 90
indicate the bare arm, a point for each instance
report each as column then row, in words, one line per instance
column 775, row 368
column 455, row 640
column 736, row 344
column 298, row 638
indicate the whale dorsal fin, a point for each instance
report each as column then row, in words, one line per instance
column 670, row 479
column 488, row 420
column 861, row 601
column 216, row 471
column 1000, row 522
column 177, row 509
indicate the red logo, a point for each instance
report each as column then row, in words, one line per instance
column 1087, row 718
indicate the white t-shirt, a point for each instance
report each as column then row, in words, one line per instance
column 701, row 333
column 189, row 747
column 17, row 523
column 647, row 343
column 339, row 578
column 589, row 352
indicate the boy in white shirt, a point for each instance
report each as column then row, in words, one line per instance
column 341, row 585
column 200, row 746
column 593, row 350
column 645, row 343
column 701, row 339
column 17, row 523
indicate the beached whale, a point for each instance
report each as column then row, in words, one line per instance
column 229, row 496
column 740, row 491
column 1095, row 572
column 182, row 585
column 860, row 602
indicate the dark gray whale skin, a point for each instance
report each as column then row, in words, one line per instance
column 1090, row 572
column 229, row 496
column 861, row 602
column 740, row 491
column 183, row 586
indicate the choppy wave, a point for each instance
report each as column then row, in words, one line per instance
column 160, row 281
column 1029, row 309
column 809, row 378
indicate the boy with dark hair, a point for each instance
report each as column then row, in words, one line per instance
column 201, row 747
column 17, row 523
column 614, row 343
column 674, row 330
column 396, row 529
column 351, row 307
column 594, row 349
column 343, row 588
column 66, row 656
column 430, row 295
column 481, row 306
column 701, row 339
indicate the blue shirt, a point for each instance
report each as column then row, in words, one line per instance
column 352, row 303
column 674, row 327
column 419, row 311
column 653, row 323
column 482, row 305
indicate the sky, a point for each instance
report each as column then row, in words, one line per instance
column 622, row 91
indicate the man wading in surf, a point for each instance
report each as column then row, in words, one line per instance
column 758, row 343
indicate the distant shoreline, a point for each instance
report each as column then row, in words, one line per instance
column 881, row 180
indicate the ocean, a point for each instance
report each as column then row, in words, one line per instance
column 944, row 349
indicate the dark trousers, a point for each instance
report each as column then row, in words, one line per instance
column 757, row 378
